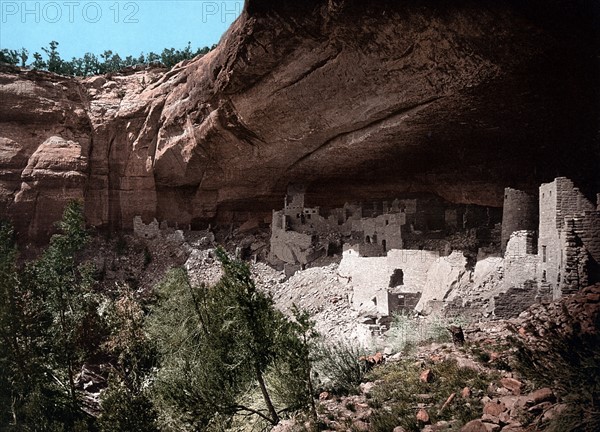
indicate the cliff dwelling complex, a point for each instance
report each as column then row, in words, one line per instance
column 427, row 255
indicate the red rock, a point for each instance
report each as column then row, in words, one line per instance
column 423, row 416
column 488, row 418
column 513, row 428
column 491, row 427
column 324, row 395
column 541, row 407
column 474, row 426
column 426, row 376
column 512, row 384
column 494, row 408
column 372, row 360
column 553, row 412
column 359, row 425
column 541, row 395
column 593, row 297
column 466, row 392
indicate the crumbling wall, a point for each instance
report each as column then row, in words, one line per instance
column 590, row 236
column 560, row 200
column 517, row 299
column 294, row 199
column 549, row 243
column 369, row 250
column 368, row 277
column 384, row 230
column 581, row 240
column 414, row 263
column 148, row 231
column 443, row 275
column 403, row 301
column 520, row 212
column 291, row 246
column 371, row 276
column 520, row 261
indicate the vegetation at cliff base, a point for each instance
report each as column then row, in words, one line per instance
column 219, row 347
column 48, row 326
column 186, row 358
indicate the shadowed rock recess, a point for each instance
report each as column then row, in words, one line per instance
column 354, row 100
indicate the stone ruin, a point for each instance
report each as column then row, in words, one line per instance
column 156, row 230
column 300, row 234
column 549, row 246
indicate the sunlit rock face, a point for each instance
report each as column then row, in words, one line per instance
column 355, row 101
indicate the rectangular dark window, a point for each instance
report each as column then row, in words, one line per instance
column 543, row 253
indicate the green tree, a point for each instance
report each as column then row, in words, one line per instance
column 38, row 62
column 55, row 63
column 217, row 344
column 152, row 57
column 91, row 65
column 126, row 404
column 24, row 56
column 12, row 357
column 48, row 326
column 9, row 56
column 291, row 377
column 74, row 329
column 29, row 398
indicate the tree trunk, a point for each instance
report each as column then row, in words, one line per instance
column 313, row 408
column 266, row 397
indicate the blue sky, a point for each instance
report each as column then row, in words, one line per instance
column 125, row 27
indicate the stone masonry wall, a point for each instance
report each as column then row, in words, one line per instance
column 520, row 212
column 559, row 201
column 520, row 261
column 514, row 301
column 549, row 242
column 370, row 276
column 148, row 231
column 581, row 251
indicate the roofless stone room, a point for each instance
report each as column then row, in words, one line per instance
column 320, row 215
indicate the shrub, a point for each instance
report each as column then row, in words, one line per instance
column 124, row 410
column 395, row 398
column 339, row 368
column 407, row 331
column 569, row 363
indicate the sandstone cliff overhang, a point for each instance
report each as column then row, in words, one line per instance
column 356, row 100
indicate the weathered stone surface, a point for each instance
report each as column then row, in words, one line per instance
column 512, row 384
column 542, row 395
column 491, row 427
column 426, row 376
column 423, row 416
column 494, row 408
column 366, row 100
column 474, row 426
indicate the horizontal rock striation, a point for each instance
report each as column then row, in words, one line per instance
column 355, row 101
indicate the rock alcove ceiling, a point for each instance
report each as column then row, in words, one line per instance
column 355, row 100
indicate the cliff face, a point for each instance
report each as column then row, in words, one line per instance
column 354, row 101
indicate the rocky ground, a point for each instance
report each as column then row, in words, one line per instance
column 470, row 387
column 488, row 391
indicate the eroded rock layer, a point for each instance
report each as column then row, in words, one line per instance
column 355, row 101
